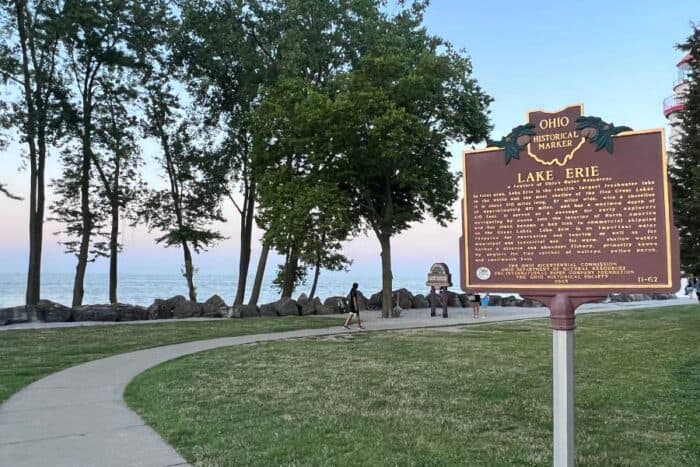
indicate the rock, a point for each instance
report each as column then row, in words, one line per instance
column 309, row 307
column 268, row 309
column 16, row 314
column 286, row 307
column 362, row 301
column 52, row 312
column 337, row 304
column 187, row 309
column 159, row 310
column 303, row 298
column 131, row 312
column 403, row 298
column 172, row 302
column 419, row 301
column 509, row 301
column 214, row 307
column 639, row 297
column 495, row 300
column 530, row 303
column 174, row 307
column 246, row 311
column 663, row 296
column 400, row 297
column 620, row 297
column 96, row 313
column 320, row 308
column 453, row 299
column 375, row 301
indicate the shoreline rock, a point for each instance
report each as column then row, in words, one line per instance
column 179, row 307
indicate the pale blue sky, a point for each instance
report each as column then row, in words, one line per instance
column 616, row 57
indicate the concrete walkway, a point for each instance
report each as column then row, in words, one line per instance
column 78, row 417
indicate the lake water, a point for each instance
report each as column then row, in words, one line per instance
column 142, row 289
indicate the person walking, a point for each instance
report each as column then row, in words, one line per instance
column 475, row 300
column 485, row 304
column 354, row 308
column 690, row 287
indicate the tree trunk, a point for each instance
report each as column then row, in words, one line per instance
column 113, row 249
column 37, row 157
column 189, row 272
column 387, row 300
column 317, row 273
column 78, row 284
column 247, row 220
column 290, row 270
column 34, row 270
column 86, row 217
column 257, row 284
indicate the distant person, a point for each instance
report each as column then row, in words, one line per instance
column 354, row 308
column 690, row 287
column 475, row 301
column 485, row 304
column 395, row 308
column 696, row 286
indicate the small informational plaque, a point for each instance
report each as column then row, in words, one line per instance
column 439, row 276
column 571, row 203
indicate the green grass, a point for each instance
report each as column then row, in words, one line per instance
column 28, row 355
column 474, row 396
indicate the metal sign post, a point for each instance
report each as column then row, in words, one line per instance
column 563, row 322
column 439, row 277
column 562, row 317
column 566, row 209
column 563, row 396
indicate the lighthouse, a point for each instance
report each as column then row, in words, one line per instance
column 676, row 102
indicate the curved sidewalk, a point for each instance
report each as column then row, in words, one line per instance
column 78, row 417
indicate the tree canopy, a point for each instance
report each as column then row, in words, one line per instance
column 685, row 167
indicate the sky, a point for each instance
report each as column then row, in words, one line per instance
column 616, row 57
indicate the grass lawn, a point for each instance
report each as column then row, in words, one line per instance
column 28, row 355
column 479, row 395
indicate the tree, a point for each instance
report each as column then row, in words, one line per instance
column 184, row 211
column 305, row 216
column 299, row 209
column 117, row 160
column 67, row 208
column 100, row 40
column 404, row 96
column 228, row 51
column 29, row 67
column 684, row 171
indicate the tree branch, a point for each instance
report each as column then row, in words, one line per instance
column 4, row 191
column 11, row 77
column 235, row 204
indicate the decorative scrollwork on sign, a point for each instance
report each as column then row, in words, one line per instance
column 598, row 132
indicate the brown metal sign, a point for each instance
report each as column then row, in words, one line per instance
column 439, row 276
column 569, row 203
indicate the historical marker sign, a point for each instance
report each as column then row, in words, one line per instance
column 569, row 203
column 567, row 208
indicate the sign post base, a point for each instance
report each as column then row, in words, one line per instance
column 562, row 308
